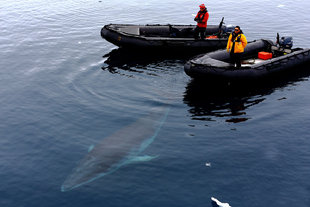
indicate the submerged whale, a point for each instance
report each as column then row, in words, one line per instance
column 120, row 148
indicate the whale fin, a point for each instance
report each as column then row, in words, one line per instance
column 91, row 147
column 143, row 158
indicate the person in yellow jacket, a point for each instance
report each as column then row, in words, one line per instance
column 235, row 45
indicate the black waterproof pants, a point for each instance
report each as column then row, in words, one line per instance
column 235, row 58
column 200, row 32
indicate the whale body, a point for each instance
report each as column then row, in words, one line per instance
column 119, row 149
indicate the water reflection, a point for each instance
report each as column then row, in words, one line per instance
column 210, row 99
column 121, row 59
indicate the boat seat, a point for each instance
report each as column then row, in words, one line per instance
column 186, row 32
column 167, row 31
column 163, row 31
column 130, row 30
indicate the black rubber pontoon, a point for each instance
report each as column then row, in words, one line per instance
column 217, row 64
column 176, row 37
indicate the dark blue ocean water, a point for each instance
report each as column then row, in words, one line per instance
column 62, row 91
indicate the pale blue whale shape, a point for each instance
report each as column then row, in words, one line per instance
column 119, row 149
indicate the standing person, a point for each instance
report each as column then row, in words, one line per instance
column 201, row 19
column 235, row 45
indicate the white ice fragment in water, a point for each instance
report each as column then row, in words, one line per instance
column 208, row 164
column 281, row 5
column 219, row 203
column 79, row 42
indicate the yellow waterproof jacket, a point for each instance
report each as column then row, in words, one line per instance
column 240, row 43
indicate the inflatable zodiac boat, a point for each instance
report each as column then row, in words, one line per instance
column 262, row 58
column 163, row 37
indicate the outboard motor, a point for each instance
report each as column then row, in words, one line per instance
column 229, row 29
column 224, row 30
column 283, row 46
column 286, row 42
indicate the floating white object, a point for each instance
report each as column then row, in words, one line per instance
column 208, row 164
column 219, row 203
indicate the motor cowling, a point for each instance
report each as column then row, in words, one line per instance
column 229, row 29
column 286, row 42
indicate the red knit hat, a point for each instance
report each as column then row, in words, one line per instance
column 202, row 6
